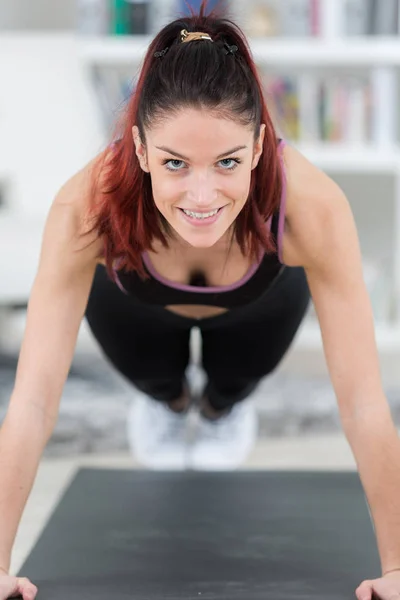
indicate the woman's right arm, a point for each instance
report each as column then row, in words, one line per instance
column 56, row 307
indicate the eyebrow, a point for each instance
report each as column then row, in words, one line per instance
column 165, row 149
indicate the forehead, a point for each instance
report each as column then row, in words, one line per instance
column 195, row 129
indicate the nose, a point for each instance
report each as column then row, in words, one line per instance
column 202, row 192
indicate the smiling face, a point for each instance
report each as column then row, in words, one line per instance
column 200, row 164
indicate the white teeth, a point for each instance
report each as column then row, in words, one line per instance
column 200, row 215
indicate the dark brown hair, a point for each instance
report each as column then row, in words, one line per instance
column 196, row 74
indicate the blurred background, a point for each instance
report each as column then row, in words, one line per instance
column 330, row 69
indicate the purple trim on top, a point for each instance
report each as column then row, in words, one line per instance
column 193, row 288
column 119, row 284
column 117, row 279
column 282, row 211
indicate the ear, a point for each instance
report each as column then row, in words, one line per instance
column 258, row 147
column 140, row 149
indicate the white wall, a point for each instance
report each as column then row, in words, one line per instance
column 49, row 129
column 49, row 125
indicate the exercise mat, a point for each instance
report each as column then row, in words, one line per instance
column 244, row 535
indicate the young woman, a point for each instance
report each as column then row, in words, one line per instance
column 199, row 215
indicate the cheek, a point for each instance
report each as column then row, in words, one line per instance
column 165, row 192
column 239, row 189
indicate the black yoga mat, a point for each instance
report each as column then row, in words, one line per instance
column 246, row 535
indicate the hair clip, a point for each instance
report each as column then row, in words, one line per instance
column 230, row 49
column 194, row 35
column 161, row 52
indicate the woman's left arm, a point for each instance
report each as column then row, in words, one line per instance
column 321, row 236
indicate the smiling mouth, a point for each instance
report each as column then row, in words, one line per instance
column 201, row 215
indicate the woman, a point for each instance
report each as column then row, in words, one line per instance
column 199, row 215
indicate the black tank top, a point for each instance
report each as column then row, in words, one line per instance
column 161, row 291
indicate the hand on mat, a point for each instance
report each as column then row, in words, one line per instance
column 10, row 587
column 384, row 588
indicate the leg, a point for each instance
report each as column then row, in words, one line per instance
column 150, row 347
column 240, row 348
column 147, row 345
column 251, row 342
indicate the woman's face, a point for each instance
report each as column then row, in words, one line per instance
column 199, row 164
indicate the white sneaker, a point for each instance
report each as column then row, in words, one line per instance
column 156, row 435
column 225, row 443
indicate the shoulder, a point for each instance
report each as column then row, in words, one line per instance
column 81, row 193
column 317, row 211
column 82, row 189
column 75, row 203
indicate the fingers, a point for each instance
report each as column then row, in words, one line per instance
column 378, row 589
column 26, row 588
column 11, row 587
column 365, row 591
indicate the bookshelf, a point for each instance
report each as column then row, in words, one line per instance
column 356, row 52
column 355, row 159
column 329, row 51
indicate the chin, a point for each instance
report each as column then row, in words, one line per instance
column 201, row 241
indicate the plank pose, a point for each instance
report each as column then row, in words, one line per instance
column 197, row 214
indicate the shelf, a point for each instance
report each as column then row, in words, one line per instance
column 283, row 52
column 351, row 158
column 387, row 337
column 113, row 49
column 342, row 52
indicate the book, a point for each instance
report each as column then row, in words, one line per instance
column 385, row 17
column 220, row 5
column 384, row 99
column 119, row 17
column 93, row 17
column 259, row 18
column 315, row 17
column 356, row 121
column 138, row 16
column 295, row 17
column 357, row 17
column 308, row 86
column 130, row 17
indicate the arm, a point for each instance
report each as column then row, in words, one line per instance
column 55, row 310
column 322, row 237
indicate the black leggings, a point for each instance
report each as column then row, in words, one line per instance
column 149, row 344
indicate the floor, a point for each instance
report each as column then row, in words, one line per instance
column 291, row 450
column 319, row 452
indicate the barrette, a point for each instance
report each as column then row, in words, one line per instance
column 161, row 52
column 194, row 35
column 230, row 49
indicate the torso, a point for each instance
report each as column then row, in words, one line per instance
column 177, row 265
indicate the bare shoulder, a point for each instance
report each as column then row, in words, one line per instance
column 77, row 192
column 70, row 212
column 317, row 211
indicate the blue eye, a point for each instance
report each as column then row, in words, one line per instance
column 236, row 162
column 166, row 162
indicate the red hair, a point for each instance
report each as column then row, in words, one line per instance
column 196, row 75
